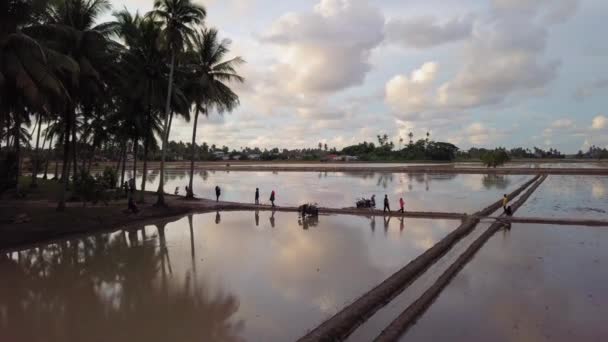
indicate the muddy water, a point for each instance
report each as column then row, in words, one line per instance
column 447, row 192
column 533, row 283
column 227, row 277
column 582, row 197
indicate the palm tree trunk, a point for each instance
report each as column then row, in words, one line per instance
column 94, row 148
column 124, row 164
column 135, row 148
column 117, row 167
column 74, row 141
column 36, row 160
column 190, row 193
column 47, row 159
column 145, row 171
column 161, row 186
column 17, row 133
column 64, row 167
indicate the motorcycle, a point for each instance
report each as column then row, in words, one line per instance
column 366, row 203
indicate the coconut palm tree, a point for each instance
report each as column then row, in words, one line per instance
column 27, row 78
column 70, row 27
column 208, row 88
column 177, row 17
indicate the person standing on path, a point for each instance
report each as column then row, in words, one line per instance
column 401, row 205
column 386, row 206
column 272, row 198
column 218, row 192
column 505, row 201
column 257, row 196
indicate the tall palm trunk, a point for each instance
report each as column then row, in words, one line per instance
column 161, row 186
column 124, row 164
column 135, row 148
column 117, row 167
column 93, row 149
column 36, row 160
column 47, row 159
column 145, row 171
column 64, row 167
column 190, row 193
column 17, row 138
column 74, row 142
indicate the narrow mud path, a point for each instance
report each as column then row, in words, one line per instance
column 408, row 317
column 339, row 326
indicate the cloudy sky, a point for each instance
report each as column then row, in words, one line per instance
column 472, row 72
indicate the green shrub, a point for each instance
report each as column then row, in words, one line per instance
column 495, row 158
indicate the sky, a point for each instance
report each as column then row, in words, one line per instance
column 472, row 72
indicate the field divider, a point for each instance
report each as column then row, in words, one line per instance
column 343, row 323
column 397, row 328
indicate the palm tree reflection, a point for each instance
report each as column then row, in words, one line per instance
column 106, row 288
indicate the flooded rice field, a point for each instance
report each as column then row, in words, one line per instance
column 582, row 197
column 222, row 276
column 421, row 192
column 532, row 283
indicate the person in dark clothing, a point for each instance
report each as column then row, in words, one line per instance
column 218, row 192
column 509, row 211
column 131, row 205
column 257, row 196
column 272, row 198
column 386, row 206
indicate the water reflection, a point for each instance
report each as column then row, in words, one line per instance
column 271, row 219
column 193, row 280
column 533, row 283
column 569, row 197
column 105, row 288
column 442, row 192
column 495, row 181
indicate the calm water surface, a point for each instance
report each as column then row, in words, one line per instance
column 209, row 277
column 424, row 192
column 582, row 197
column 533, row 283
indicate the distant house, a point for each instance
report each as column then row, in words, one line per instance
column 218, row 154
column 253, row 156
column 351, row 158
column 236, row 157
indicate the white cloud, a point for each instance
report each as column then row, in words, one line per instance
column 327, row 50
column 411, row 95
column 424, row 32
column 503, row 61
column 599, row 122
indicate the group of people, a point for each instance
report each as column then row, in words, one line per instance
column 387, row 206
column 218, row 193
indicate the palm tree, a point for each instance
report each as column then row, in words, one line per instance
column 208, row 89
column 144, row 76
column 27, row 81
column 177, row 16
column 70, row 27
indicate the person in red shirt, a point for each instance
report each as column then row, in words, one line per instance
column 402, row 205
